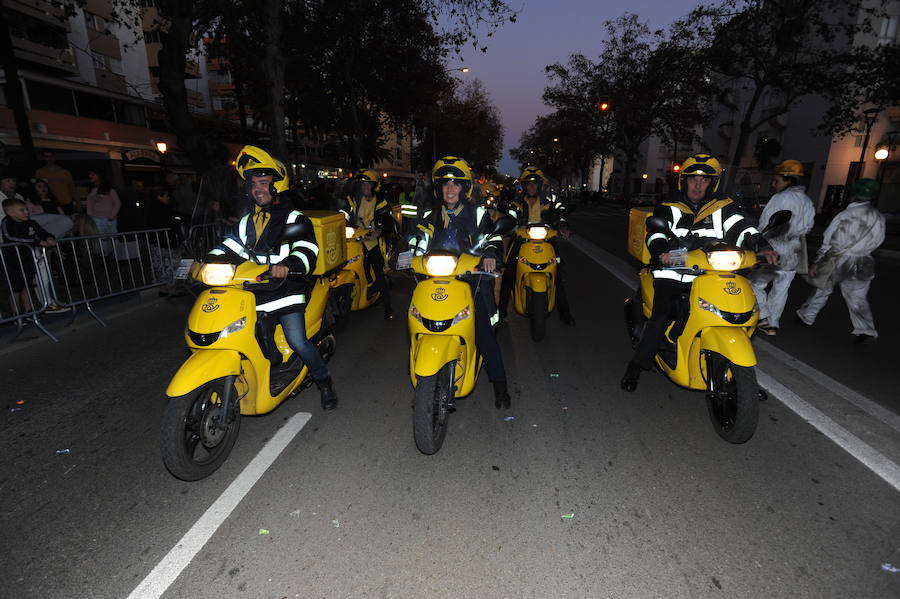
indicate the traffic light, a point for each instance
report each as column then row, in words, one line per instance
column 603, row 104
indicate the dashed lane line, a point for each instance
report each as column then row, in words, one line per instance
column 860, row 450
column 167, row 570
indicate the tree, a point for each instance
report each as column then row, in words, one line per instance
column 654, row 82
column 465, row 124
column 782, row 51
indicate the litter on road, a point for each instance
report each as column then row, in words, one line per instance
column 890, row 568
column 295, row 514
column 15, row 409
column 63, row 451
column 263, row 531
column 335, row 523
column 508, row 418
column 568, row 516
column 554, row 375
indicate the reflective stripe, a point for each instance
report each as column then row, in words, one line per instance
column 306, row 245
column 216, row 252
column 495, row 318
column 236, row 247
column 346, row 215
column 718, row 229
column 654, row 237
column 674, row 275
column 479, row 214
column 676, row 218
column 745, row 232
column 284, row 302
column 513, row 213
column 305, row 261
column 731, row 221
column 495, row 238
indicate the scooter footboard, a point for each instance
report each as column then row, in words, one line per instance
column 732, row 342
column 431, row 352
column 202, row 367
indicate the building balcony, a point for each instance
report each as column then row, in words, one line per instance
column 41, row 10
column 111, row 81
column 105, row 43
column 60, row 60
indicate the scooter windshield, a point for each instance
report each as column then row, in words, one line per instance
column 450, row 240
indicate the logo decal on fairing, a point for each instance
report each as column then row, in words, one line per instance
column 731, row 288
column 439, row 295
column 211, row 305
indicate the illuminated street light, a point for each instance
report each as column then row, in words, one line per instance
column 645, row 176
column 162, row 146
column 555, row 139
column 882, row 153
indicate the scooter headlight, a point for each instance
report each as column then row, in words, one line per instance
column 234, row 327
column 440, row 266
column 537, row 232
column 725, row 259
column 216, row 274
column 349, row 232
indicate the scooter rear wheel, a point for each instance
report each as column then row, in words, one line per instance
column 733, row 402
column 195, row 440
column 538, row 316
column 430, row 410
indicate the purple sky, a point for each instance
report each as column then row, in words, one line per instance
column 547, row 31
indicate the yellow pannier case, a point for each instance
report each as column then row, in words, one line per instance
column 329, row 228
column 637, row 233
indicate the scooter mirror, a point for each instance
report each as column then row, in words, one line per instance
column 296, row 231
column 504, row 225
column 655, row 224
column 777, row 221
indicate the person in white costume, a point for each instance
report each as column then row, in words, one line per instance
column 847, row 250
column 787, row 240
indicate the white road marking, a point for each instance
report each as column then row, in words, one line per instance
column 871, row 458
column 167, row 570
column 852, row 444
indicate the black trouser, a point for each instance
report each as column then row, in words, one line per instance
column 488, row 346
column 373, row 260
column 509, row 278
column 665, row 308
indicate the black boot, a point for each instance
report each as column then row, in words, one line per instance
column 501, row 396
column 632, row 374
column 329, row 396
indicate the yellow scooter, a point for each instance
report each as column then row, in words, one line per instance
column 353, row 289
column 534, row 293
column 709, row 348
column 443, row 357
column 238, row 365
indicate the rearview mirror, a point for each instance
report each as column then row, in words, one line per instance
column 656, row 224
column 782, row 217
column 504, row 225
column 296, row 231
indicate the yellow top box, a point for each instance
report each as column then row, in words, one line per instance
column 637, row 233
column 329, row 229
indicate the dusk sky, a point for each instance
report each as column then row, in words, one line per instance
column 547, row 31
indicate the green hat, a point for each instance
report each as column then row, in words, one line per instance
column 864, row 189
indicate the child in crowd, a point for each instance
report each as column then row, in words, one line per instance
column 18, row 228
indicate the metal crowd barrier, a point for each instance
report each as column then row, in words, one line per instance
column 80, row 271
column 203, row 238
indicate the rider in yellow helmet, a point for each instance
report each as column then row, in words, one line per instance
column 454, row 216
column 696, row 215
column 534, row 205
column 265, row 179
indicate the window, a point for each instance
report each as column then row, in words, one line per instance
column 44, row 96
column 130, row 114
column 888, row 33
column 95, row 22
column 94, row 107
column 115, row 65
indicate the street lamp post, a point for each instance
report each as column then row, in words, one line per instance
column 870, row 115
column 162, row 147
column 881, row 155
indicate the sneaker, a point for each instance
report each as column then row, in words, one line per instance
column 767, row 330
column 56, row 309
column 865, row 339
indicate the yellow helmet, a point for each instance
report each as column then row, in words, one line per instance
column 451, row 168
column 253, row 161
column 703, row 165
column 489, row 189
column 532, row 173
column 368, row 176
column 789, row 168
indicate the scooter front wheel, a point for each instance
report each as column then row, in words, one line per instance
column 538, row 316
column 733, row 401
column 431, row 409
column 196, row 435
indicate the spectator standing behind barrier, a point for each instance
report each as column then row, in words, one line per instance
column 163, row 246
column 20, row 271
column 789, row 242
column 44, row 209
column 845, row 259
column 103, row 206
column 60, row 181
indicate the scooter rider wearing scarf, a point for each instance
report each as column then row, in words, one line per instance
column 534, row 207
column 454, row 214
column 264, row 179
column 789, row 242
column 695, row 215
column 364, row 208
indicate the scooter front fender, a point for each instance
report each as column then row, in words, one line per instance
column 201, row 367
column 536, row 281
column 433, row 351
column 342, row 277
column 732, row 342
